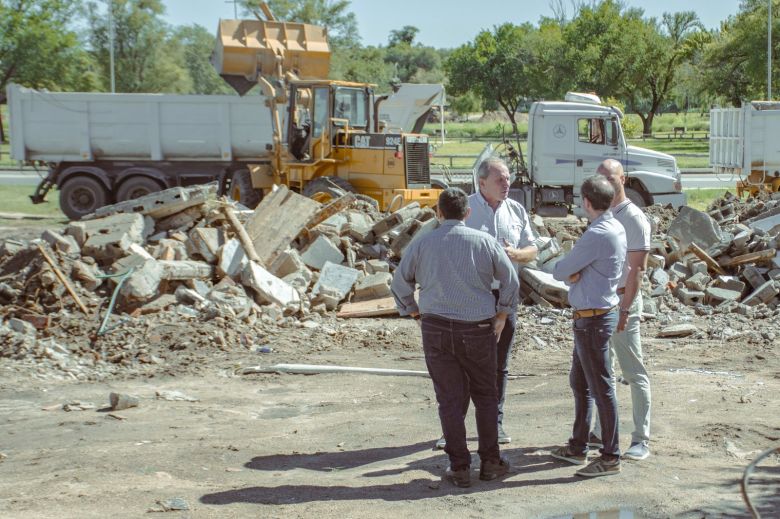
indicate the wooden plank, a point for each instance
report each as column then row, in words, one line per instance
column 327, row 211
column 753, row 257
column 706, row 258
column 279, row 218
column 372, row 308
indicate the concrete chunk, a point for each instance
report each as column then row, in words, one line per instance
column 288, row 262
column 546, row 286
column 320, row 252
column 87, row 275
column 678, row 330
column 393, row 220
column 110, row 238
column 187, row 269
column 205, row 243
column 753, row 276
column 64, row 243
column 373, row 286
column 413, row 232
column 374, row 266
column 763, row 294
column 180, row 221
column 659, row 277
column 692, row 226
column 336, row 279
column 269, row 288
column 690, row 297
column 143, row 283
column 714, row 296
column 698, row 281
column 729, row 283
column 232, row 259
column 767, row 222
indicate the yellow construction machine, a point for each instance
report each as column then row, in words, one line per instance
column 327, row 135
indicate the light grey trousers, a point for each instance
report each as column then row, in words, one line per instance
column 627, row 347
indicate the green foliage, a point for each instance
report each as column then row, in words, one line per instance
column 196, row 46
column 38, row 47
column 146, row 58
column 464, row 104
column 364, row 65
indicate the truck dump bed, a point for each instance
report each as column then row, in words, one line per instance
column 743, row 140
column 55, row 127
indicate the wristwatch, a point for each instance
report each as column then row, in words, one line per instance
column 624, row 311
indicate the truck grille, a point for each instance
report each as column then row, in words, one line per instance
column 416, row 161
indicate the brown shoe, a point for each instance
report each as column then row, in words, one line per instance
column 459, row 478
column 491, row 470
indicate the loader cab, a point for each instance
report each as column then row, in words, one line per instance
column 322, row 115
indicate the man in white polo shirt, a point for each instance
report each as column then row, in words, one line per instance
column 626, row 343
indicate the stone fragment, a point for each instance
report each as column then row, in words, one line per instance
column 714, row 296
column 678, row 330
column 320, row 252
column 729, row 283
column 697, row 267
column 120, row 401
column 548, row 248
column 181, row 221
column 169, row 250
column 692, row 226
column 335, row 280
column 413, row 232
column 21, row 326
column 87, row 275
column 205, row 243
column 110, row 238
column 64, row 243
column 545, row 286
column 763, row 294
column 679, row 271
column 232, row 259
column 393, row 220
column 187, row 269
column 767, row 222
column 659, row 277
column 373, row 286
column 374, row 266
column 753, row 276
column 174, row 396
column 690, row 297
column 187, row 295
column 144, row 281
column 698, row 281
column 269, row 288
column 161, row 203
column 288, row 262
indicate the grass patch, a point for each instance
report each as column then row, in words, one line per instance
column 699, row 198
column 15, row 199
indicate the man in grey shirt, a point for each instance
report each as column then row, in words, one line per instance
column 593, row 269
column 461, row 321
column 493, row 212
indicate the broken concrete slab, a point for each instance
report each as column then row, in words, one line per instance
column 182, row 221
column 659, row 277
column 546, row 286
column 767, row 222
column 412, row 233
column 110, row 238
column 373, row 286
column 320, row 252
column 697, row 267
column 87, row 275
column 753, row 276
column 143, row 283
column 162, row 203
column 393, row 220
column 689, row 297
column 698, row 281
column 679, row 271
column 288, row 262
column 692, row 226
column 65, row 244
column 232, row 259
column 548, row 248
column 168, row 249
column 336, row 279
column 729, row 283
column 374, row 265
column 186, row 269
column 269, row 288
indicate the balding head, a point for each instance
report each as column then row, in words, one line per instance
column 612, row 170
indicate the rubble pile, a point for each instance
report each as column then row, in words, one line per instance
column 116, row 286
column 721, row 261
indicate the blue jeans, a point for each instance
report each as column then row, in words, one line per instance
column 590, row 380
column 459, row 353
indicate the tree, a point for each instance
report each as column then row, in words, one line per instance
column 363, row 65
column 146, row 59
column 500, row 66
column 734, row 59
column 404, row 35
column 39, row 50
column 197, row 45
column 331, row 14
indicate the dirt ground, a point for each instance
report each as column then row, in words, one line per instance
column 347, row 445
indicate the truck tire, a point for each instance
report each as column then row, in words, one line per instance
column 241, row 189
column 636, row 197
column 136, row 187
column 81, row 195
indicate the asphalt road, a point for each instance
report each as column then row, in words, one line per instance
column 690, row 180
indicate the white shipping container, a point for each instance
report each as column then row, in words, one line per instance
column 55, row 127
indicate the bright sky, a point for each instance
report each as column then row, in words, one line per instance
column 445, row 23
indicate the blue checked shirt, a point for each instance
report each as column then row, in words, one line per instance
column 598, row 256
column 454, row 267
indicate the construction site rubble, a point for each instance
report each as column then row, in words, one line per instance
column 181, row 275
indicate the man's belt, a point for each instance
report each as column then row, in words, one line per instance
column 621, row 291
column 591, row 312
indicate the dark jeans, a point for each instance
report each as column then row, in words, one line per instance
column 459, row 353
column 503, row 351
column 590, row 380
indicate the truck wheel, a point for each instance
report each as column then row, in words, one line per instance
column 81, row 195
column 136, row 187
column 241, row 189
column 636, row 197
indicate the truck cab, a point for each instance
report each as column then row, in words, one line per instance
column 567, row 140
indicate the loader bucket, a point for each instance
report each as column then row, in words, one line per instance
column 246, row 49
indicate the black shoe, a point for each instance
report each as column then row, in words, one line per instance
column 459, row 478
column 490, row 470
column 503, row 437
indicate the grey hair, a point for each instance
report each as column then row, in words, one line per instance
column 488, row 165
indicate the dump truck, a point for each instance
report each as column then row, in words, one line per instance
column 743, row 143
column 319, row 137
column 567, row 140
